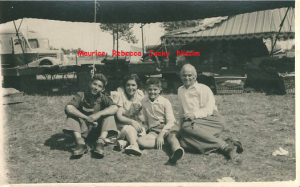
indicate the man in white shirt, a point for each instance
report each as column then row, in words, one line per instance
column 200, row 122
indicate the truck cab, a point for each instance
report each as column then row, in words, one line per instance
column 29, row 48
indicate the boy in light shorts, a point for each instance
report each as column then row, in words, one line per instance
column 159, row 118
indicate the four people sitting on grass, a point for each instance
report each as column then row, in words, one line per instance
column 146, row 121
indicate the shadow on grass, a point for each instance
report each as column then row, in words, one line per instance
column 13, row 103
column 60, row 142
column 96, row 156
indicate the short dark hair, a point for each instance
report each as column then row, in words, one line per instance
column 153, row 81
column 132, row 77
column 99, row 77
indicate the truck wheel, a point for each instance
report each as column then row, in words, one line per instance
column 45, row 62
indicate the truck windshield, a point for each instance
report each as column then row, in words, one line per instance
column 42, row 43
column 33, row 43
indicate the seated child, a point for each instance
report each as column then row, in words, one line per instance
column 159, row 118
column 90, row 116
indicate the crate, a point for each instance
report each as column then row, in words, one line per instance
column 13, row 98
column 230, row 84
column 143, row 67
column 289, row 83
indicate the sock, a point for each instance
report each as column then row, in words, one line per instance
column 80, row 141
column 223, row 146
column 100, row 140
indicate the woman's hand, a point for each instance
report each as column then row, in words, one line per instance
column 138, row 127
column 160, row 141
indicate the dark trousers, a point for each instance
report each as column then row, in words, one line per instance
column 201, row 135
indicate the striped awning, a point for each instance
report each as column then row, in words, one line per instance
column 261, row 24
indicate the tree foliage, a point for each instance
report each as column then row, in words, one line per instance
column 125, row 31
column 170, row 26
column 69, row 51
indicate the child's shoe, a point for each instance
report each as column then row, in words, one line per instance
column 133, row 150
column 177, row 155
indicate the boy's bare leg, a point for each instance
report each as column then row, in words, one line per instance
column 147, row 142
column 173, row 141
column 177, row 150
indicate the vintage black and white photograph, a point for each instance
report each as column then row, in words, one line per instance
column 148, row 91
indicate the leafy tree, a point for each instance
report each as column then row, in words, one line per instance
column 53, row 48
column 125, row 32
column 170, row 26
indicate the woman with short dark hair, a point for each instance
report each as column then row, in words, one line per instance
column 129, row 115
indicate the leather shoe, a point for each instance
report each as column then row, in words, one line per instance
column 99, row 149
column 80, row 150
column 229, row 151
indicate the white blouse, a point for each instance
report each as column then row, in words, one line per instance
column 132, row 107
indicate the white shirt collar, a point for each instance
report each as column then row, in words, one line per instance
column 155, row 101
column 192, row 86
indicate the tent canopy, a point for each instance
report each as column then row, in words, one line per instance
column 260, row 24
column 130, row 11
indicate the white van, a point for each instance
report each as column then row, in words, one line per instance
column 29, row 48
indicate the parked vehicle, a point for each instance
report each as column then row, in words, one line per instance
column 29, row 48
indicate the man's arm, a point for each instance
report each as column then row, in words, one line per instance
column 73, row 111
column 180, row 110
column 111, row 110
column 209, row 105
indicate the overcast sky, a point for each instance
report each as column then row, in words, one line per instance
column 86, row 36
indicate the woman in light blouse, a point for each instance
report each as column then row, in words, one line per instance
column 129, row 115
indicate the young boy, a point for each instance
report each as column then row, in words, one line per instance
column 90, row 116
column 159, row 118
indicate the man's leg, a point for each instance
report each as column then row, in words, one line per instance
column 105, row 126
column 202, row 133
column 76, row 126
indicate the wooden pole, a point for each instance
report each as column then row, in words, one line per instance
column 117, row 41
column 117, row 51
column 142, row 38
column 281, row 25
column 20, row 41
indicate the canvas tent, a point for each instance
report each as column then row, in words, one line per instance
column 130, row 11
column 254, row 25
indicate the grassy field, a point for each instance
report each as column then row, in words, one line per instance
column 37, row 152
